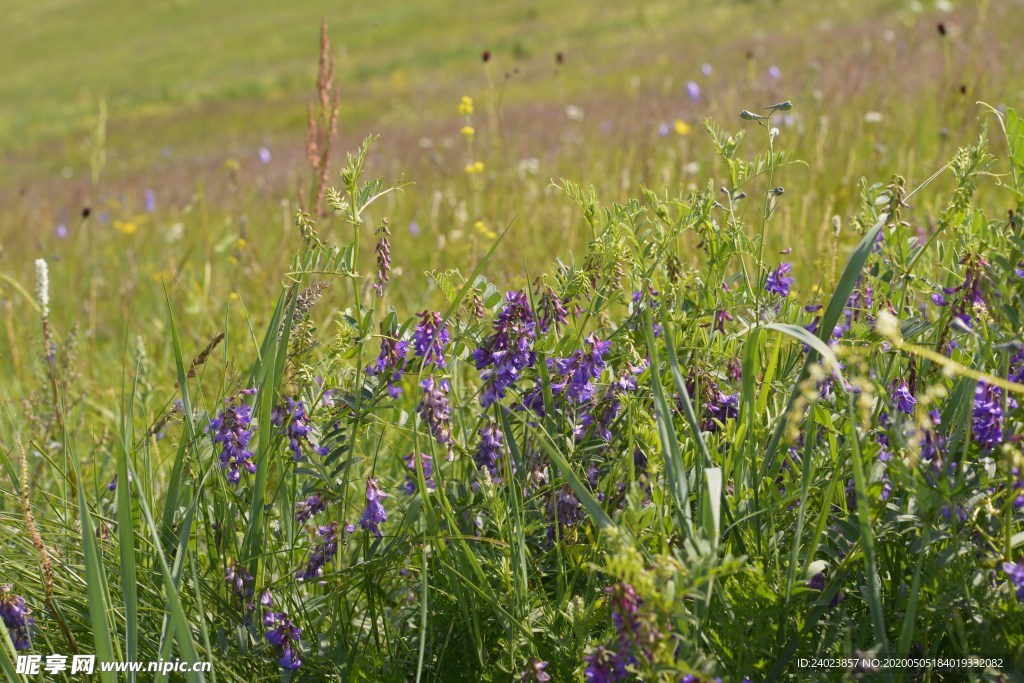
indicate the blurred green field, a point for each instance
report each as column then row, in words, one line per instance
column 193, row 91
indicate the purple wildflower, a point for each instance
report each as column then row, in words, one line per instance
column 550, row 310
column 374, row 514
column 774, row 73
column 1015, row 572
column 410, row 476
column 534, row 671
column 238, row 579
column 231, row 429
column 988, row 415
column 492, row 447
column 430, row 338
column 149, row 200
column 902, row 398
column 323, row 552
column 390, row 362
column 435, row 410
column 693, row 91
column 264, row 155
column 577, row 372
column 307, row 509
column 604, row 666
column 508, row 351
column 282, row 634
column 778, row 281
column 61, row 231
column 15, row 614
column 294, row 423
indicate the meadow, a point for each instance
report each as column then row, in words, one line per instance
column 519, row 341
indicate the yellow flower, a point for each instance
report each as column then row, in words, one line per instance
column 468, row 131
column 233, row 296
column 466, row 105
column 682, row 127
column 478, row 167
column 469, row 169
column 482, row 228
column 127, row 227
column 241, row 244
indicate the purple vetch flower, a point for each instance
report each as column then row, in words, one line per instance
column 374, row 515
column 435, row 410
column 509, row 350
column 430, row 338
column 610, row 405
column 410, row 476
column 939, row 299
column 149, row 200
column 491, row 448
column 550, row 310
column 294, row 423
column 987, row 415
column 576, row 374
column 15, row 615
column 264, row 155
column 693, row 91
column 604, row 666
column 231, row 430
column 310, row 507
column 566, row 510
column 534, row 672
column 282, row 634
column 1019, row 270
column 778, row 281
column 902, row 398
column 391, row 362
column 1015, row 572
column 323, row 552
column 239, row 580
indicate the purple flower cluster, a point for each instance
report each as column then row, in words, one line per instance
column 323, row 552
column 604, row 666
column 778, row 281
column 550, row 310
column 491, row 448
column 576, row 374
column 435, row 410
column 1015, row 572
column 391, row 362
column 534, row 671
column 294, row 423
column 410, row 476
column 374, row 515
column 987, row 423
column 238, row 579
column 310, row 507
column 15, row 614
column 231, row 430
column 430, row 338
column 718, row 406
column 508, row 351
column 966, row 296
column 610, row 406
column 903, row 400
column 282, row 634
column 636, row 637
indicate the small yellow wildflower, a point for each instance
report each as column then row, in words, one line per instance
column 466, row 105
column 478, row 167
column 468, row 131
column 233, row 296
column 241, row 244
column 126, row 227
column 469, row 169
column 486, row 232
column 682, row 127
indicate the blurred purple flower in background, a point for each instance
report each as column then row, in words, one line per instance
column 264, row 155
